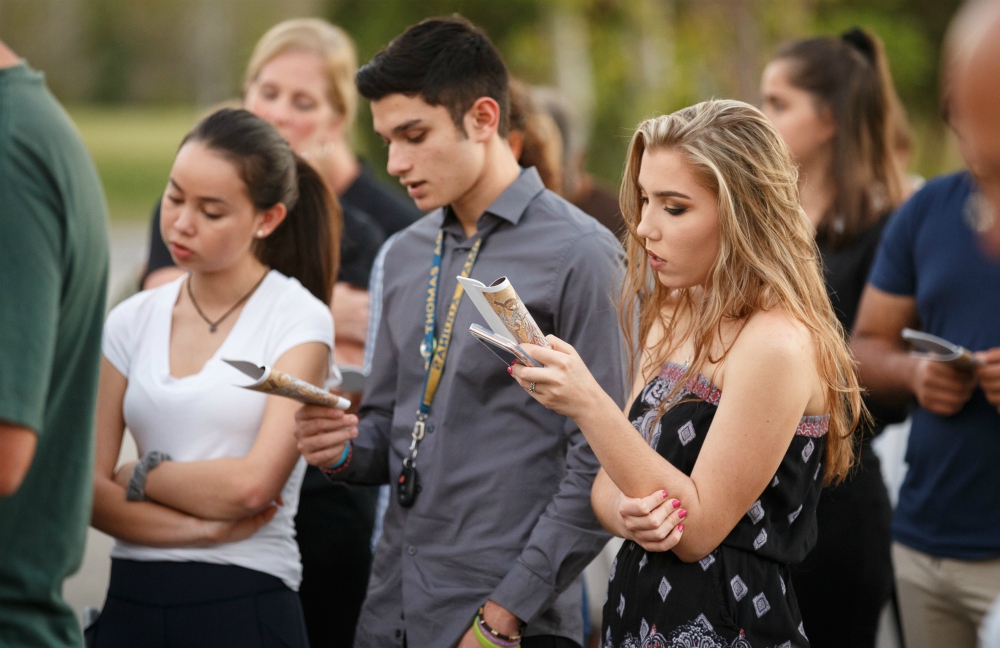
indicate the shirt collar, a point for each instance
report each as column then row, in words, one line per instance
column 509, row 205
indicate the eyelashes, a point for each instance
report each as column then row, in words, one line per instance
column 673, row 211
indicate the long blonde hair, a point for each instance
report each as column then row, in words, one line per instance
column 767, row 255
column 331, row 43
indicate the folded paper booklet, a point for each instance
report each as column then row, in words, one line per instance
column 932, row 347
column 276, row 383
column 508, row 318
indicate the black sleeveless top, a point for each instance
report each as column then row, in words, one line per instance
column 740, row 594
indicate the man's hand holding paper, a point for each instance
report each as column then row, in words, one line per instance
column 323, row 433
column 989, row 375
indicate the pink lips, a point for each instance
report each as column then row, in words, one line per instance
column 655, row 262
column 180, row 252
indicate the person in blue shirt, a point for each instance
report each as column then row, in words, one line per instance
column 931, row 272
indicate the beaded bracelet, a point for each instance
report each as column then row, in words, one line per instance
column 490, row 638
column 342, row 463
column 489, row 641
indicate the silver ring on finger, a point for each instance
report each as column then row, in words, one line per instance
column 531, row 388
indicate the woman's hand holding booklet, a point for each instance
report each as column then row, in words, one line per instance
column 511, row 325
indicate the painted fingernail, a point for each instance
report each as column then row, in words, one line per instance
column 680, row 527
column 682, row 514
column 510, row 370
column 676, row 503
column 664, row 494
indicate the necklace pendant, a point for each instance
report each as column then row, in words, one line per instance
column 212, row 329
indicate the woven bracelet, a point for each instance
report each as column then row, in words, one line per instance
column 345, row 459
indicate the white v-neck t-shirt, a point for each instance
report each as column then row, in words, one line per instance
column 205, row 415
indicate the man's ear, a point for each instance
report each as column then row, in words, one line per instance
column 482, row 120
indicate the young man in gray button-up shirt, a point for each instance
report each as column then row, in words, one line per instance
column 503, row 516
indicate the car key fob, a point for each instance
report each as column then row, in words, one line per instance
column 408, row 485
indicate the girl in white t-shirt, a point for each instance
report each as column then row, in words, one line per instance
column 204, row 522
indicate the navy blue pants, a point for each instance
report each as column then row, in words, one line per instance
column 191, row 604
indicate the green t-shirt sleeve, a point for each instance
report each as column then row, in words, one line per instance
column 31, row 235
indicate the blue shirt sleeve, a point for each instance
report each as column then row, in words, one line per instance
column 894, row 270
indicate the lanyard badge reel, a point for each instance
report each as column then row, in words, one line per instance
column 435, row 351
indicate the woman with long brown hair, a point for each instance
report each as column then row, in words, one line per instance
column 833, row 103
column 744, row 397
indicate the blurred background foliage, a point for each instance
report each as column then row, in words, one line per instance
column 135, row 74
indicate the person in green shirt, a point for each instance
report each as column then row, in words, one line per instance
column 53, row 276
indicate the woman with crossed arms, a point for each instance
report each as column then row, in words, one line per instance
column 205, row 551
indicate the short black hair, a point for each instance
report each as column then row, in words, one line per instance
column 447, row 61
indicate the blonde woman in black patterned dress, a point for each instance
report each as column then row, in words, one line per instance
column 745, row 396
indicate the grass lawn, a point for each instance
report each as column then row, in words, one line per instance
column 133, row 148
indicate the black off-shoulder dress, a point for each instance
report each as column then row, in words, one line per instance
column 740, row 595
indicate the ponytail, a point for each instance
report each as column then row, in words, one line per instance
column 849, row 77
column 897, row 132
column 306, row 244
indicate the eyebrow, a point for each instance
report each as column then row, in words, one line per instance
column 208, row 199
column 667, row 194
column 671, row 194
column 405, row 126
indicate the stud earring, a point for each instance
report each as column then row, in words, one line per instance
column 260, row 233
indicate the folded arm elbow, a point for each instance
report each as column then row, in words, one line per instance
column 693, row 552
column 252, row 498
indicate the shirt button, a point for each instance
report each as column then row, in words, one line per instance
column 399, row 633
column 412, row 550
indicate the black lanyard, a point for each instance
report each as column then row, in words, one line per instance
column 435, row 352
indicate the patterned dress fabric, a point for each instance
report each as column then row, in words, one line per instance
column 740, row 595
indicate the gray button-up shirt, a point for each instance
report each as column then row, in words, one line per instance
column 504, row 509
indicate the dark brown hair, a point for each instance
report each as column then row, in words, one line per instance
column 306, row 245
column 446, row 61
column 848, row 77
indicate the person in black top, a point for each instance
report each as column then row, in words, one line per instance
column 744, row 391
column 833, row 103
column 300, row 78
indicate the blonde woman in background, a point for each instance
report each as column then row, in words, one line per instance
column 300, row 78
column 746, row 396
